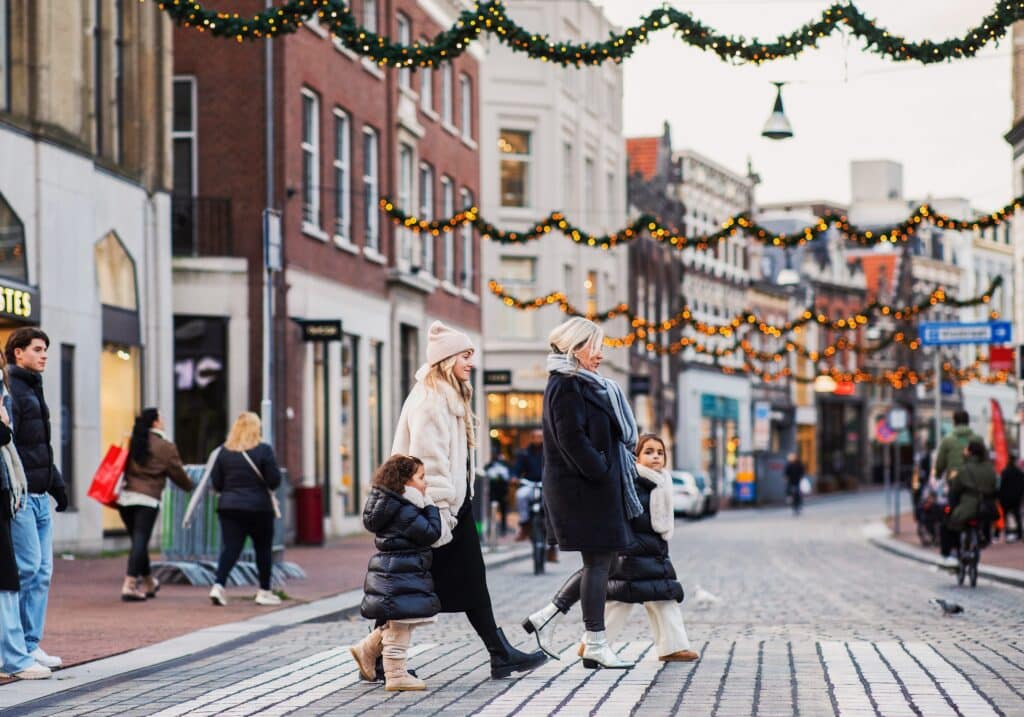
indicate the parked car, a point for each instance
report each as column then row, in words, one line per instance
column 710, row 497
column 687, row 496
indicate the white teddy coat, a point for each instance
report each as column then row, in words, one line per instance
column 432, row 427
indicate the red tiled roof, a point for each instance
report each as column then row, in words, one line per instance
column 643, row 155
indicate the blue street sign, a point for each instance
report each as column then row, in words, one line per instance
column 937, row 333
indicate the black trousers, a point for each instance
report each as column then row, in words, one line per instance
column 1014, row 512
column 139, row 520
column 235, row 525
column 589, row 587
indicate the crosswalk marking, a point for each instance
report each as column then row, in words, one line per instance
column 610, row 687
column 921, row 687
column 962, row 692
column 526, row 686
column 849, row 692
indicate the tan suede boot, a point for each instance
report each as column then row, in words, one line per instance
column 396, row 639
column 130, row 590
column 366, row 653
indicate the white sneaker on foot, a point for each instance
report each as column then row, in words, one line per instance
column 34, row 672
column 265, row 597
column 949, row 561
column 46, row 660
column 217, row 595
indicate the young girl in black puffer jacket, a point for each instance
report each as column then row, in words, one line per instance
column 398, row 586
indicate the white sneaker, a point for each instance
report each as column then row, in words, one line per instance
column 265, row 597
column 34, row 672
column 949, row 561
column 217, row 595
column 46, row 660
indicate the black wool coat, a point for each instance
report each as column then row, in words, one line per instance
column 644, row 572
column 398, row 582
column 582, row 484
column 31, row 420
column 239, row 486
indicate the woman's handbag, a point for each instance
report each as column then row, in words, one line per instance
column 273, row 498
column 106, row 481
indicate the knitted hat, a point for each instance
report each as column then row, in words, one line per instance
column 443, row 342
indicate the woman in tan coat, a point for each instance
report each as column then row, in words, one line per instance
column 152, row 459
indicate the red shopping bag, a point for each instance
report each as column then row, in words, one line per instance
column 106, row 481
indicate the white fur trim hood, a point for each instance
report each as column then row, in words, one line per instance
column 432, row 427
column 663, row 518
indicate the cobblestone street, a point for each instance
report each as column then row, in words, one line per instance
column 810, row 619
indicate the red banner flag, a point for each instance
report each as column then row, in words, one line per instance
column 999, row 438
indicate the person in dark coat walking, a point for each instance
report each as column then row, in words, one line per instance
column 1011, row 490
column 245, row 473
column 399, row 588
column 437, row 426
column 794, row 472
column 589, row 471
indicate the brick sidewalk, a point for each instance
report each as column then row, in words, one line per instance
column 999, row 554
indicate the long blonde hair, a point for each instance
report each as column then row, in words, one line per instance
column 246, row 433
column 443, row 372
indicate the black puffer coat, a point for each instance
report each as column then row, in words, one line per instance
column 31, row 420
column 398, row 582
column 582, row 484
column 644, row 572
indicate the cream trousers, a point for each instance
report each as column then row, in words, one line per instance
column 666, row 620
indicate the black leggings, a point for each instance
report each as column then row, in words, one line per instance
column 589, row 587
column 139, row 520
column 235, row 525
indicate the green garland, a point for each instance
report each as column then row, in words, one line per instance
column 556, row 221
column 491, row 17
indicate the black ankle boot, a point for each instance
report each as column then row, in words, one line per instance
column 378, row 670
column 506, row 659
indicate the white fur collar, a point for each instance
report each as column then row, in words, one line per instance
column 414, row 496
column 659, row 478
column 444, row 391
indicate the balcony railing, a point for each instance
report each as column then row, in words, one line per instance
column 201, row 226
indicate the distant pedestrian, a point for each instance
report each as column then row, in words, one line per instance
column 32, row 527
column 437, row 426
column 1011, row 490
column 498, row 473
column 528, row 466
column 15, row 660
column 398, row 587
column 950, row 455
column 245, row 473
column 152, row 459
column 794, row 472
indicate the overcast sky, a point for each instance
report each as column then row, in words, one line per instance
column 945, row 123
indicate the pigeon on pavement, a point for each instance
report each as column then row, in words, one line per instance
column 948, row 608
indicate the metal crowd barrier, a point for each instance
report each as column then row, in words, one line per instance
column 189, row 555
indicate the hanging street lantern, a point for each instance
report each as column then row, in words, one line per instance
column 777, row 126
column 824, row 384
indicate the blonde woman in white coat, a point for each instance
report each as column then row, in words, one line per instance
column 437, row 426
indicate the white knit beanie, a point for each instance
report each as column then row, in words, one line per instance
column 443, row 342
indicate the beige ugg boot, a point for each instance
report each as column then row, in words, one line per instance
column 366, row 653
column 130, row 590
column 396, row 639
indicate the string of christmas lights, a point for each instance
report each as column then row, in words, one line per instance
column 653, row 227
column 491, row 17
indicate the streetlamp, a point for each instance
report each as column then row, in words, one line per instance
column 777, row 126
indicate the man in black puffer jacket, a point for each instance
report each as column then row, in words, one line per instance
column 32, row 529
column 399, row 587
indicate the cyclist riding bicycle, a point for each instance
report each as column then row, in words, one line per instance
column 972, row 490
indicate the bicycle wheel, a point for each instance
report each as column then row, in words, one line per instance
column 972, row 567
column 538, row 539
column 961, row 562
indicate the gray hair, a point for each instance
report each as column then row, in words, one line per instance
column 575, row 334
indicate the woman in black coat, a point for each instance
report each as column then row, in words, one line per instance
column 589, row 495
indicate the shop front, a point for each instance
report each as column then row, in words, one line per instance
column 512, row 416
column 841, row 443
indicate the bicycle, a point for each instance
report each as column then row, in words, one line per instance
column 968, row 554
column 538, row 531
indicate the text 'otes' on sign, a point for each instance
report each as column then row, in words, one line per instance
column 18, row 302
column 949, row 333
column 320, row 330
column 498, row 378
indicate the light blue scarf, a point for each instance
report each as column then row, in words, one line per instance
column 610, row 392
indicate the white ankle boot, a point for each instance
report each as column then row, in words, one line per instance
column 538, row 622
column 597, row 653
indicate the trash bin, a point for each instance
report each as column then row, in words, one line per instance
column 309, row 521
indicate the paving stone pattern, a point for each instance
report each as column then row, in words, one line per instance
column 810, row 620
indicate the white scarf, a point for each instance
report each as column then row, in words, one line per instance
column 663, row 518
column 12, row 461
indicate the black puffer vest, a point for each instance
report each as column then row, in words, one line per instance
column 398, row 582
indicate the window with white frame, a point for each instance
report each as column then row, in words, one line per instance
column 5, row 56
column 448, row 209
column 447, row 94
column 518, row 274
column 426, row 87
column 427, row 215
column 310, row 158
column 371, row 190
column 405, row 202
column 466, row 106
column 612, row 194
column 183, row 135
column 467, row 245
column 404, row 38
column 514, row 153
column 588, row 203
column 342, row 176
column 568, row 177
column 370, row 15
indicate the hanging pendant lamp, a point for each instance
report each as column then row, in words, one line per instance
column 777, row 126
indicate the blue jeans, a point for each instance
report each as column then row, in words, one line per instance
column 13, row 655
column 32, row 534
